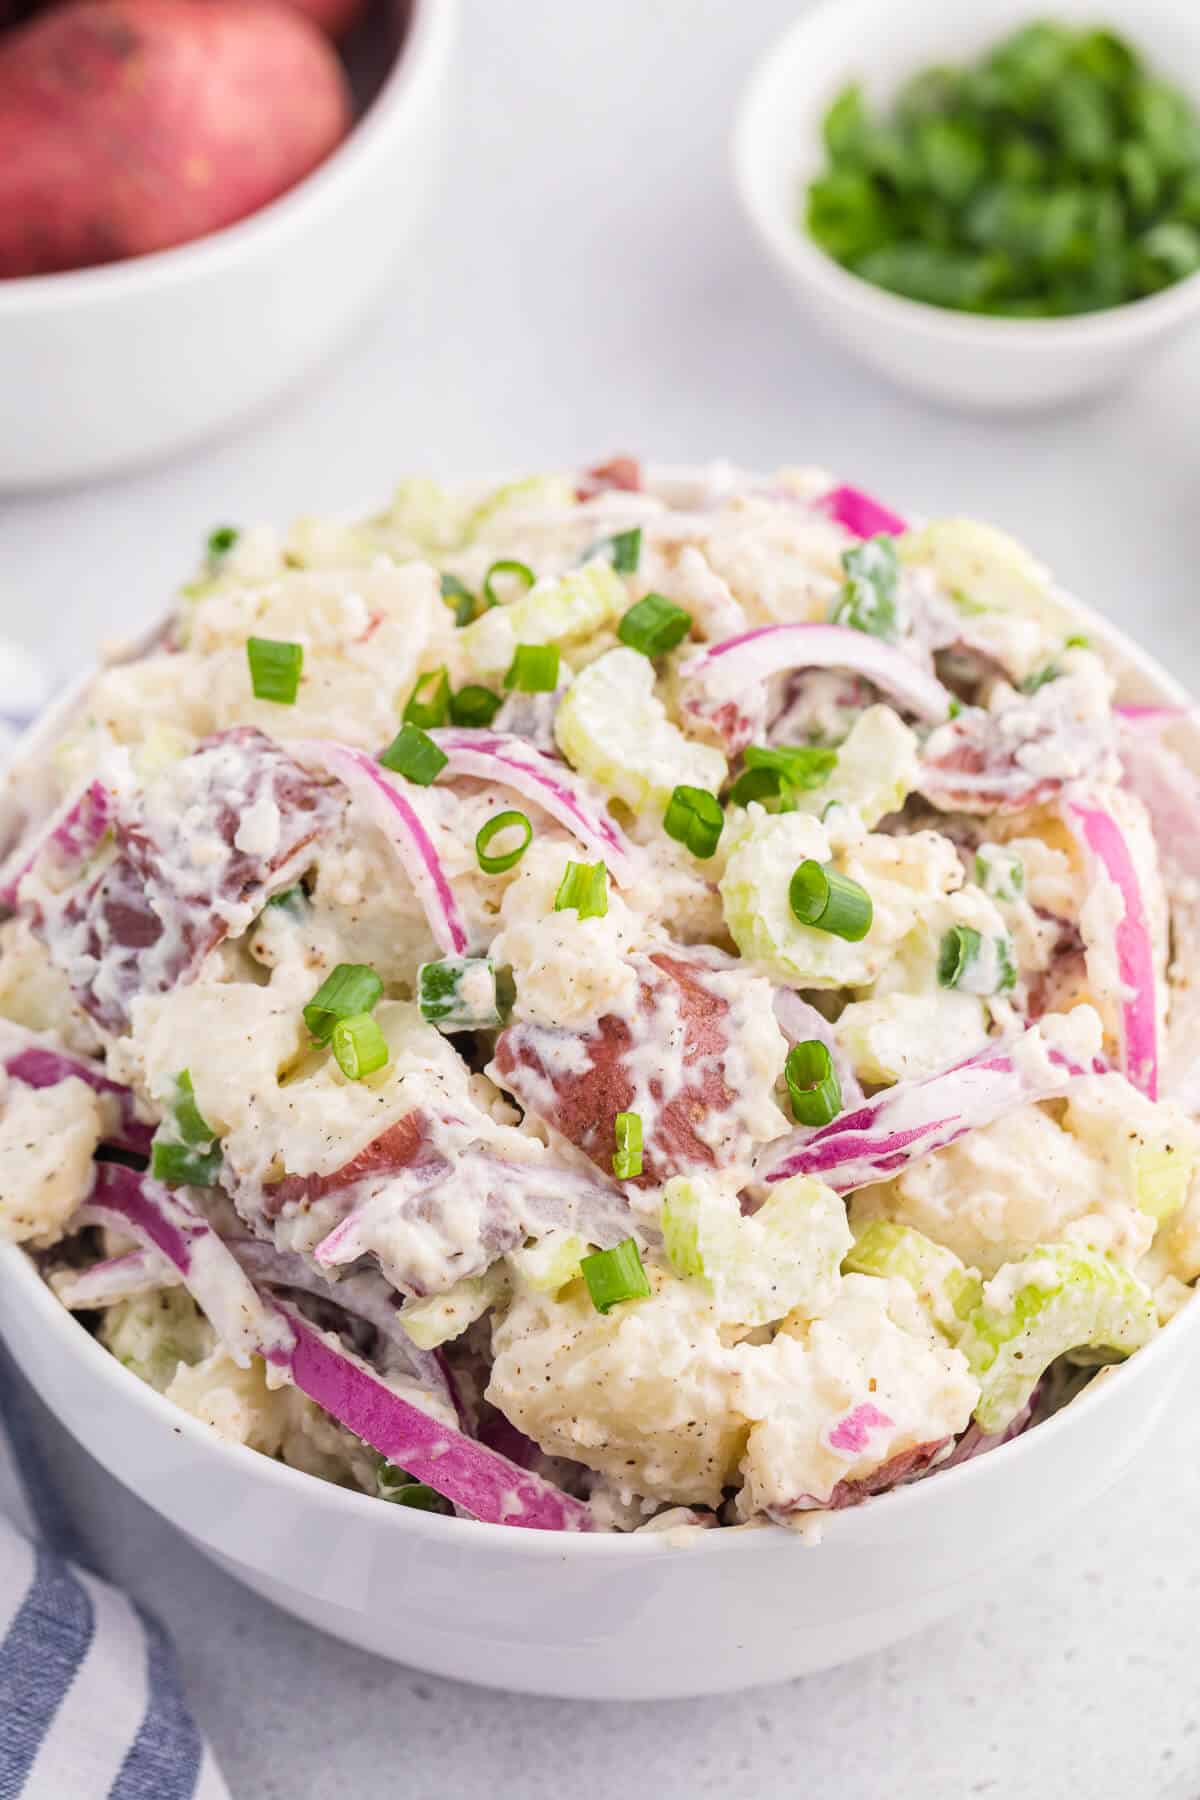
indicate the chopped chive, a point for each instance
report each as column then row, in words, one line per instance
column 274, row 669
column 615, row 1275
column 349, row 989
column 183, row 1165
column 627, row 1158
column 460, row 598
column 517, row 571
column 583, row 890
column 414, row 755
column 221, row 541
column 474, row 706
column 694, row 817
column 654, row 625
column 813, row 1086
column 359, row 1046
column 461, row 993
column 534, row 669
column 622, row 551
column 429, row 702
column 959, row 951
column 487, row 834
column 1078, row 640
column 194, row 1128
column 830, row 902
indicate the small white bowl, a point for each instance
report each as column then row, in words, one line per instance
column 1000, row 365
column 610, row 1616
column 106, row 368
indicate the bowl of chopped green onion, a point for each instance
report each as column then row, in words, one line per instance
column 996, row 208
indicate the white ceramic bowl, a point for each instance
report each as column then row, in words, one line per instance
column 1001, row 365
column 106, row 368
column 610, row 1616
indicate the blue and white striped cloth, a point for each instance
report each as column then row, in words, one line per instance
column 91, row 1706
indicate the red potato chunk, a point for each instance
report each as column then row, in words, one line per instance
column 128, row 126
column 621, row 472
column 667, row 1064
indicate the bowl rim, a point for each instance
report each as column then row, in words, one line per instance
column 418, row 57
column 1129, row 660
column 797, row 250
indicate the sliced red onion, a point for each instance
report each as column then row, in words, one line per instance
column 859, row 513
column 800, row 1022
column 368, row 1297
column 915, row 1118
column 123, row 1200
column 73, row 832
column 1121, row 967
column 28, row 1058
column 753, row 656
column 382, row 801
column 511, row 761
column 117, row 1278
column 977, row 1442
column 1138, row 716
column 487, row 1485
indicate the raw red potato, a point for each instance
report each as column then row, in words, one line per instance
column 530, row 1061
column 128, row 126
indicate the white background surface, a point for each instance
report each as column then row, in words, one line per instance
column 587, row 286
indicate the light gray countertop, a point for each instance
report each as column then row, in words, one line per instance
column 586, row 285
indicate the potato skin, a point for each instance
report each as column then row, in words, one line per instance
column 128, row 126
column 335, row 17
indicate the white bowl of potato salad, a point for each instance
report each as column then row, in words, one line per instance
column 640, row 1017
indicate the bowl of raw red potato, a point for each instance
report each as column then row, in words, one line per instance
column 198, row 198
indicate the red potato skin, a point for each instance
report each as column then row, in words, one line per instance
column 128, row 126
column 334, row 17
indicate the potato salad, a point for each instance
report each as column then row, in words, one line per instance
column 634, row 998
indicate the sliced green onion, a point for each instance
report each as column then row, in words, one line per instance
column 959, row 951
column 182, row 1165
column 460, row 598
column 275, row 669
column 474, row 706
column 461, row 993
column 654, row 625
column 999, row 871
column 627, row 1158
column 622, row 551
column 615, row 1275
column 359, row 1046
column 293, row 900
column 398, row 1486
column 1038, row 679
column 429, row 702
column 1006, row 968
column 414, row 755
column 694, row 817
column 868, row 599
column 487, row 834
column 761, row 785
column 816, row 1093
column 518, row 571
column 1078, row 640
column 584, row 890
column 194, row 1128
column 534, row 669
column 803, row 766
column 349, row 989
column 221, row 541
column 830, row 902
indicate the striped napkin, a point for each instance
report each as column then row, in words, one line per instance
column 91, row 1706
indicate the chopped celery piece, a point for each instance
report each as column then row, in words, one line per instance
column 532, row 491
column 612, row 727
column 1162, row 1175
column 948, row 1291
column 784, row 1257
column 562, row 611
column 441, row 1317
column 1055, row 1299
column 552, row 1262
column 153, row 1333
